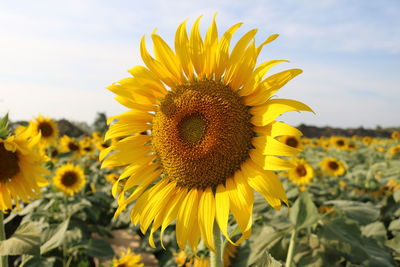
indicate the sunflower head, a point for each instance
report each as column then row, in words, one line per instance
column 302, row 173
column 21, row 169
column 70, row 179
column 128, row 259
column 339, row 142
column 86, row 145
column 293, row 141
column 200, row 134
column 394, row 150
column 69, row 144
column 332, row 167
column 395, row 135
column 47, row 127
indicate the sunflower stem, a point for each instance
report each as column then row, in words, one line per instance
column 216, row 257
column 289, row 257
column 3, row 259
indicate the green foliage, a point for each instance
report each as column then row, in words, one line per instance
column 4, row 127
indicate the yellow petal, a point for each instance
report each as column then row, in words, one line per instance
column 197, row 49
column 166, row 56
column 268, row 112
column 270, row 146
column 186, row 223
column 264, row 182
column 256, row 78
column 269, row 162
column 207, row 216
column 222, row 210
column 277, row 128
column 182, row 50
column 223, row 51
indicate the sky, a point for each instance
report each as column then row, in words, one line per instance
column 57, row 57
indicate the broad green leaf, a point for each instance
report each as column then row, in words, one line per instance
column 56, row 239
column 363, row 213
column 394, row 243
column 375, row 230
column 394, row 226
column 99, row 249
column 4, row 131
column 25, row 240
column 344, row 237
column 303, row 213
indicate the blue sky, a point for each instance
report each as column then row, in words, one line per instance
column 57, row 56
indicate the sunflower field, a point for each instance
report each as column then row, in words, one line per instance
column 343, row 194
column 199, row 171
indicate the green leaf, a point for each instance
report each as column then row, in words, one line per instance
column 25, row 240
column 56, row 239
column 394, row 226
column 303, row 213
column 267, row 261
column 98, row 248
column 394, row 243
column 40, row 261
column 396, row 195
column 4, row 131
column 363, row 213
column 344, row 237
column 375, row 230
column 4, row 121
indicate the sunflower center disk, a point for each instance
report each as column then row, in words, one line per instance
column 333, row 165
column 192, row 128
column 202, row 133
column 8, row 164
column 46, row 129
column 301, row 170
column 69, row 179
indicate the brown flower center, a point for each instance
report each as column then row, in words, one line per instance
column 46, row 129
column 202, row 133
column 301, row 170
column 333, row 165
column 340, row 143
column 292, row 141
column 69, row 178
column 72, row 146
column 8, row 164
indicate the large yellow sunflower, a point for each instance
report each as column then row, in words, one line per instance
column 47, row 127
column 21, row 169
column 208, row 134
column 69, row 179
column 332, row 167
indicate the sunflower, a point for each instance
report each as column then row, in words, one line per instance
column 86, row 145
column 69, row 178
column 395, row 135
column 21, row 169
column 332, row 167
column 394, row 150
column 69, row 144
column 47, row 127
column 302, row 173
column 208, row 134
column 293, row 141
column 128, row 259
column 339, row 142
